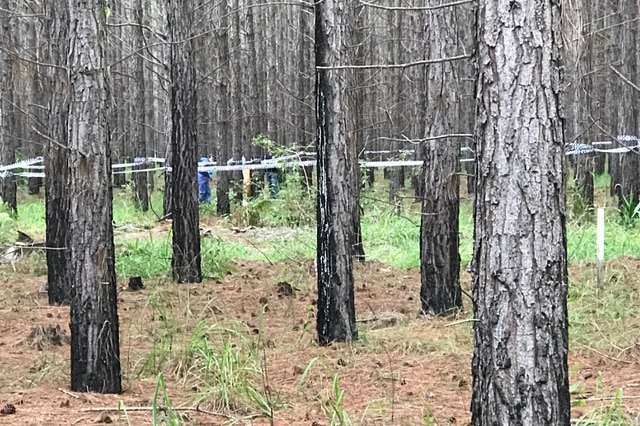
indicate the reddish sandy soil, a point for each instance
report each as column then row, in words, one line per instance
column 390, row 377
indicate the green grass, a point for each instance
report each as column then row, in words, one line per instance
column 220, row 358
column 124, row 211
column 151, row 257
column 223, row 360
column 619, row 241
column 388, row 238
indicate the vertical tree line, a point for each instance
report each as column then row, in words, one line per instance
column 520, row 283
column 95, row 337
column 440, row 262
column 8, row 76
column 186, row 259
column 186, row 78
column 337, row 169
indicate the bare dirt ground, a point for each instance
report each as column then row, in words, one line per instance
column 400, row 369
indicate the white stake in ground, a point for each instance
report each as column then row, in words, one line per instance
column 600, row 245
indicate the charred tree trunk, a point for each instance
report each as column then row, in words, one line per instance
column 7, row 105
column 396, row 174
column 55, row 164
column 576, row 102
column 625, row 182
column 223, row 203
column 140, row 190
column 185, row 262
column 583, row 179
column 167, row 199
column 440, row 291
column 95, row 347
column 356, row 118
column 303, row 86
column 520, row 373
column 337, row 202
column 39, row 97
column 119, row 119
column 627, row 178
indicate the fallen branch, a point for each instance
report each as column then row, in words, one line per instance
column 608, row 398
column 462, row 322
column 414, row 8
column 393, row 66
column 607, row 356
column 71, row 394
column 133, row 409
column 162, row 408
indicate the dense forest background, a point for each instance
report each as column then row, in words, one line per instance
column 85, row 85
column 255, row 76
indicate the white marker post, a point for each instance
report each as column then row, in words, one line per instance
column 600, row 246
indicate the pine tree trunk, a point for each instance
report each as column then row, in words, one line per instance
column 396, row 174
column 140, row 190
column 625, row 182
column 38, row 99
column 440, row 291
column 185, row 262
column 55, row 165
column 8, row 135
column 336, row 197
column 520, row 373
column 118, row 124
column 95, row 348
column 223, row 204
column 356, row 119
column 583, row 178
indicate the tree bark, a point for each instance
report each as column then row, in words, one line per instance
column 440, row 291
column 520, row 373
column 336, row 196
column 95, row 349
column 55, row 159
column 8, row 112
column 356, row 117
column 398, row 124
column 186, row 262
column 625, row 179
column 583, row 179
column 140, row 190
column 223, row 204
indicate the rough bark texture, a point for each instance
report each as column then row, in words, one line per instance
column 625, row 168
column 578, row 120
column 185, row 262
column 583, row 180
column 625, row 182
column 140, row 192
column 167, row 199
column 7, row 108
column 223, row 204
column 520, row 374
column 398, row 124
column 337, row 201
column 95, row 350
column 56, row 196
column 439, row 259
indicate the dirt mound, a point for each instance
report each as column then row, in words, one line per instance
column 46, row 336
column 285, row 289
column 8, row 409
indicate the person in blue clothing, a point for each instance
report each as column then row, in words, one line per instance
column 204, row 192
column 271, row 176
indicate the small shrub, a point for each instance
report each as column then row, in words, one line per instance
column 628, row 210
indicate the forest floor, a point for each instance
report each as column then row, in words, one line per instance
column 238, row 349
